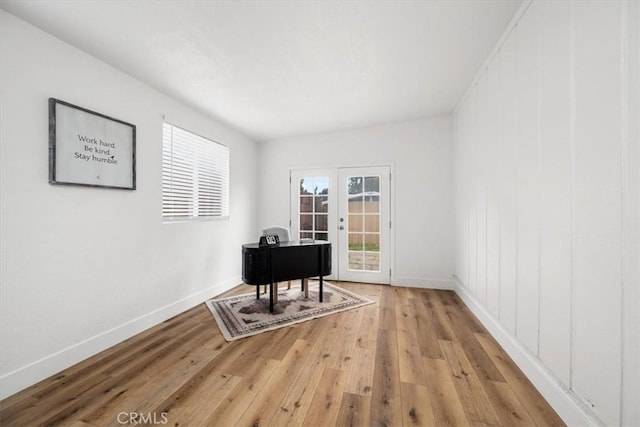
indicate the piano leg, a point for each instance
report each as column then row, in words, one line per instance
column 305, row 286
column 257, row 292
column 271, row 298
column 275, row 293
column 321, row 264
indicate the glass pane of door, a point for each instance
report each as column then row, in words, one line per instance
column 363, row 222
column 313, row 213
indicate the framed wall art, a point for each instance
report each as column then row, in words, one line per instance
column 89, row 148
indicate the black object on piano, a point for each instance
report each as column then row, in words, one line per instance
column 269, row 240
column 268, row 265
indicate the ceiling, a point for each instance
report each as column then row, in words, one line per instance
column 275, row 69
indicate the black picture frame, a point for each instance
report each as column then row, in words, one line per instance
column 89, row 148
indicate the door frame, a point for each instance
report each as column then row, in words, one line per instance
column 334, row 221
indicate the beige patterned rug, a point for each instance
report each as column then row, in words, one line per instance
column 243, row 315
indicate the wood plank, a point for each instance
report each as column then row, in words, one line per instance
column 326, row 402
column 426, row 322
column 360, row 375
column 386, row 405
column 229, row 411
column 106, row 413
column 387, row 306
column 409, row 357
column 297, row 400
column 536, row 406
column 436, row 315
column 342, row 356
column 464, row 327
column 280, row 343
column 323, row 354
column 195, row 407
column 416, row 405
column 475, row 402
column 190, row 365
column 354, row 410
column 368, row 332
column 366, row 290
column 246, row 351
column 311, row 330
column 191, row 382
column 267, row 401
column 452, row 304
column 402, row 295
column 508, row 407
column 446, row 405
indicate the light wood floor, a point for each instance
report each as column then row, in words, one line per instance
column 417, row 357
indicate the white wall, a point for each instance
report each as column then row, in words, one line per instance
column 84, row 268
column 420, row 153
column 546, row 201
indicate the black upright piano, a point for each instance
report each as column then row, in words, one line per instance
column 298, row 259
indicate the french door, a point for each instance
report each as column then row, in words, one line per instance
column 363, row 224
column 350, row 207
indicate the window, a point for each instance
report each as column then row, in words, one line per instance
column 195, row 176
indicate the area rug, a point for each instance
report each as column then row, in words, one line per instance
column 243, row 315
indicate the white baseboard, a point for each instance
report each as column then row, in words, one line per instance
column 564, row 401
column 413, row 282
column 30, row 374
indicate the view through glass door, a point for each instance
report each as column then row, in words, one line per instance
column 314, row 207
column 363, row 230
column 350, row 208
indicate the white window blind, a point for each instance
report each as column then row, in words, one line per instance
column 195, row 176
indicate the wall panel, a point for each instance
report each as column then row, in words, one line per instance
column 555, row 187
column 481, row 195
column 597, row 290
column 507, row 167
column 631, row 220
column 492, row 159
column 461, row 180
column 528, row 193
column 473, row 191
